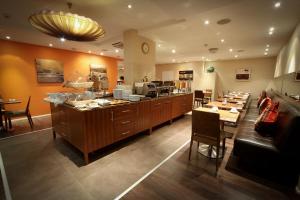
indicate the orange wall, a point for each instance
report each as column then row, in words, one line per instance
column 18, row 74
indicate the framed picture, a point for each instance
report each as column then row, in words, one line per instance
column 186, row 75
column 98, row 74
column 243, row 74
column 297, row 76
column 49, row 71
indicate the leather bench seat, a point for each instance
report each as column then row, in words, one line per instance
column 276, row 155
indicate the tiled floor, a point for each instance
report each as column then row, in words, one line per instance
column 39, row 167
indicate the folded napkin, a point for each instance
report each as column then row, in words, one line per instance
column 234, row 110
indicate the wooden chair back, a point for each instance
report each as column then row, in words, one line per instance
column 199, row 94
column 206, row 126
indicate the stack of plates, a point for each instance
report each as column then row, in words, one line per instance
column 102, row 102
column 125, row 94
column 134, row 97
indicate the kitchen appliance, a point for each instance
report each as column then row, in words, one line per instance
column 145, row 88
column 164, row 88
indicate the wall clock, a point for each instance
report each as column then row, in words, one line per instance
column 145, row 47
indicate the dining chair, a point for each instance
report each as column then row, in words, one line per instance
column 8, row 115
column 206, row 129
column 208, row 94
column 199, row 98
column 1, row 111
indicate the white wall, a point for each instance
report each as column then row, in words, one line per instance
column 137, row 64
column 201, row 79
column 288, row 59
column 262, row 72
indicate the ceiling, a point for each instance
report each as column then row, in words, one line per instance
column 172, row 24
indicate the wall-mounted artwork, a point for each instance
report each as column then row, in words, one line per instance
column 98, row 74
column 49, row 71
column 186, row 75
column 243, row 74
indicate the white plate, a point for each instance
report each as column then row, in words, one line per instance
column 234, row 111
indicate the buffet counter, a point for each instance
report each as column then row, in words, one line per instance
column 94, row 128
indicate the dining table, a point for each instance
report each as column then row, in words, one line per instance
column 2, row 103
column 237, row 96
column 224, row 106
column 225, row 116
column 235, row 101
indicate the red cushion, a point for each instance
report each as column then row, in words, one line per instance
column 266, row 122
column 262, row 96
column 266, row 103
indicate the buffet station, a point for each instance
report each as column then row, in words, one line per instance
column 91, row 120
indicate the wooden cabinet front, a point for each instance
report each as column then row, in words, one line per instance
column 161, row 111
column 99, row 128
column 166, row 110
column 156, row 114
column 177, row 108
column 95, row 129
column 124, row 121
column 143, row 116
column 188, row 103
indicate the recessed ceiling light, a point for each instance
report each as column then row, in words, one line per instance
column 277, row 4
column 206, row 22
column 266, row 49
column 159, row 45
column 270, row 32
column 89, row 51
column 7, row 37
column 268, row 45
column 271, row 29
column 50, row 45
column 236, row 56
column 173, row 51
column 222, row 40
column 129, row 6
column 231, row 50
column 266, row 53
column 101, row 53
column 117, row 50
column 62, row 39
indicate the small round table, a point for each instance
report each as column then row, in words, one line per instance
column 4, row 103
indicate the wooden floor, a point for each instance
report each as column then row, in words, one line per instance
column 21, row 126
column 180, row 179
column 38, row 167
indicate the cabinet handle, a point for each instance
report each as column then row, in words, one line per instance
column 126, row 122
column 125, row 133
column 125, row 111
column 112, row 115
